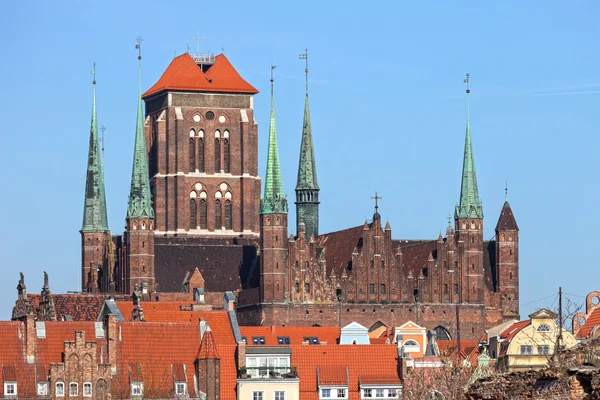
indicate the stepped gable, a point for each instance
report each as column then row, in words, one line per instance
column 183, row 74
column 50, row 348
column 372, row 364
column 339, row 246
column 224, row 263
column 326, row 334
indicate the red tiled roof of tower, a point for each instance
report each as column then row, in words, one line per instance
column 183, row 74
column 208, row 348
column 372, row 363
column 507, row 220
column 590, row 323
column 339, row 247
column 326, row 334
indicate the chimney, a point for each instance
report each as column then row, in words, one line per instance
column 30, row 338
column 111, row 339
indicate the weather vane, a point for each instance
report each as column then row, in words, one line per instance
column 467, row 82
column 304, row 56
column 138, row 46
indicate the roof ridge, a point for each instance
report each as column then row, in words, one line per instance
column 341, row 230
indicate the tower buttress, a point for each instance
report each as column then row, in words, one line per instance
column 95, row 235
column 468, row 218
column 273, row 223
column 507, row 259
column 307, row 188
column 139, row 234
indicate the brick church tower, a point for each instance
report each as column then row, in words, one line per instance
column 273, row 223
column 139, row 234
column 96, row 254
column 468, row 217
column 307, row 188
column 203, row 150
column 507, row 259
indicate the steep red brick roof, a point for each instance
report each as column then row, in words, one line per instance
column 372, row 363
column 327, row 334
column 80, row 306
column 415, row 255
column 507, row 220
column 183, row 74
column 590, row 323
column 339, row 247
column 50, row 348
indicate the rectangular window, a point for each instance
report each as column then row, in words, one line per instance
column 325, row 393
column 307, row 288
column 283, row 340
column 279, row 395
column 526, row 350
column 378, row 392
column 60, row 389
column 371, row 288
column 367, row 393
column 311, row 339
column 456, row 288
column 382, row 288
column 10, row 389
column 73, row 389
column 42, row 388
column 543, row 349
column 137, row 389
column 258, row 340
column 392, row 393
column 87, row 389
column 180, row 388
column 257, row 395
column 341, row 393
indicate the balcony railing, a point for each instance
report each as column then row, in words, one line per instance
column 267, row 373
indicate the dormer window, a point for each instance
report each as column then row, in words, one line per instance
column 10, row 389
column 258, row 340
column 42, row 388
column 283, row 340
column 180, row 388
column 311, row 339
column 137, row 389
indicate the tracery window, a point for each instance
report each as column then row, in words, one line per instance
column 228, row 224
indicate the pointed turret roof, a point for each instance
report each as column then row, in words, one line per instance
column 470, row 205
column 140, row 200
column 94, row 209
column 208, row 348
column 307, row 169
column 274, row 200
column 507, row 221
column 183, row 74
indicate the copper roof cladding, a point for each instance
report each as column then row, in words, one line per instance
column 183, row 74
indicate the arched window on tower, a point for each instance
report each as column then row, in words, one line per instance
column 201, row 151
column 192, row 154
column 217, row 152
column 226, row 151
column 218, row 219
column 192, row 213
column 228, row 224
column 203, row 211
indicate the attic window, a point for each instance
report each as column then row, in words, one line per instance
column 543, row 328
column 244, row 340
column 137, row 389
column 311, row 339
column 180, row 388
column 10, row 389
column 258, row 340
column 283, row 340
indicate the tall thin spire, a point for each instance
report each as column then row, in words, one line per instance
column 94, row 210
column 274, row 200
column 140, row 200
column 470, row 205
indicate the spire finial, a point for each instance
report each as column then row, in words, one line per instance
column 93, row 72
column 468, row 92
column 304, row 56
column 138, row 46
column 449, row 218
column 506, row 191
column 376, row 197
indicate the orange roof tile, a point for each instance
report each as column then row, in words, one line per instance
column 208, row 348
column 326, row 334
column 51, row 348
column 510, row 331
column 592, row 321
column 183, row 74
column 376, row 364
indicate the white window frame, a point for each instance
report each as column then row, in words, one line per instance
column 62, row 389
column 44, row 391
column 345, row 391
column 137, row 386
column 385, row 392
column 87, row 385
column 333, row 392
column 260, row 393
column 183, row 385
column 283, row 392
column 544, row 330
column 321, row 393
column 411, row 348
column 71, row 386
column 526, row 350
column 13, row 386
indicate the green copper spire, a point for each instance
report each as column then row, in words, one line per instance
column 140, row 201
column 470, row 205
column 307, row 188
column 94, row 208
column 273, row 201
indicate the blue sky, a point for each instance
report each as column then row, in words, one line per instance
column 387, row 108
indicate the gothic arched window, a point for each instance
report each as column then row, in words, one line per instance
column 226, row 156
column 192, row 154
column 203, row 210
column 218, row 219
column 201, row 155
column 192, row 213
column 228, row 223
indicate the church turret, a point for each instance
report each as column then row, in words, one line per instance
column 307, row 188
column 273, row 221
column 140, row 214
column 468, row 218
column 507, row 257
column 95, row 234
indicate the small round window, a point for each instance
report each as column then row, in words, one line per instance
column 210, row 115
